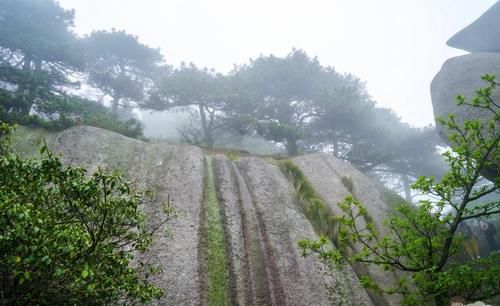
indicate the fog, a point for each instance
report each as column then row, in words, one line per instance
column 396, row 47
column 347, row 78
column 191, row 152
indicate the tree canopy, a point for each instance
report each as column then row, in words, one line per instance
column 202, row 89
column 120, row 66
column 38, row 51
column 282, row 95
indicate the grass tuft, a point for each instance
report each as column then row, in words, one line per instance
column 315, row 209
column 348, row 183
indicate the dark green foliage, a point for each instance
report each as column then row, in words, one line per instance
column 130, row 128
column 279, row 98
column 63, row 112
column 120, row 66
column 59, row 124
column 423, row 240
column 38, row 51
column 68, row 237
column 201, row 89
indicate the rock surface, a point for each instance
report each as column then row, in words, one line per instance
column 172, row 172
column 483, row 35
column 262, row 220
column 328, row 176
column 461, row 75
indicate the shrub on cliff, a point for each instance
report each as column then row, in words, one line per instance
column 67, row 237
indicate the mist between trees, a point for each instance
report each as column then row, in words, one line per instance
column 52, row 78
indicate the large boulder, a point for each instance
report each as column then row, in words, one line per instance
column 260, row 217
column 483, row 35
column 461, row 75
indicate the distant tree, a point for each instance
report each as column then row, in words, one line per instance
column 38, row 51
column 404, row 152
column 191, row 87
column 278, row 97
column 120, row 66
column 70, row 238
column 374, row 139
column 346, row 125
column 423, row 241
column 412, row 152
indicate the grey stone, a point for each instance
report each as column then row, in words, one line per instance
column 326, row 174
column 483, row 35
column 462, row 76
column 262, row 219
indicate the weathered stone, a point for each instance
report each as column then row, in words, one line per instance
column 462, row 76
column 483, row 35
column 327, row 174
column 261, row 218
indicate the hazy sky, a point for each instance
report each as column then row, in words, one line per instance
column 395, row 46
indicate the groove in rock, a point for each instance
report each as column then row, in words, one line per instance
column 212, row 246
column 264, row 273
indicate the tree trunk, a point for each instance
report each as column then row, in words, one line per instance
column 23, row 89
column 407, row 188
column 291, row 146
column 336, row 149
column 114, row 106
column 207, row 134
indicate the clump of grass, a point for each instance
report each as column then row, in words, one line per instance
column 232, row 155
column 26, row 141
column 348, row 183
column 315, row 209
column 215, row 256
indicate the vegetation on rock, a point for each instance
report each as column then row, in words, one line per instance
column 215, row 257
column 423, row 241
column 323, row 221
column 68, row 237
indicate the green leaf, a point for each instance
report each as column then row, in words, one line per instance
column 85, row 274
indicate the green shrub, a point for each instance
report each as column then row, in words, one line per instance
column 59, row 113
column 130, row 128
column 67, row 237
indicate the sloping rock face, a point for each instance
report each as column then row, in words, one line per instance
column 462, row 75
column 329, row 175
column 261, row 218
column 172, row 172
